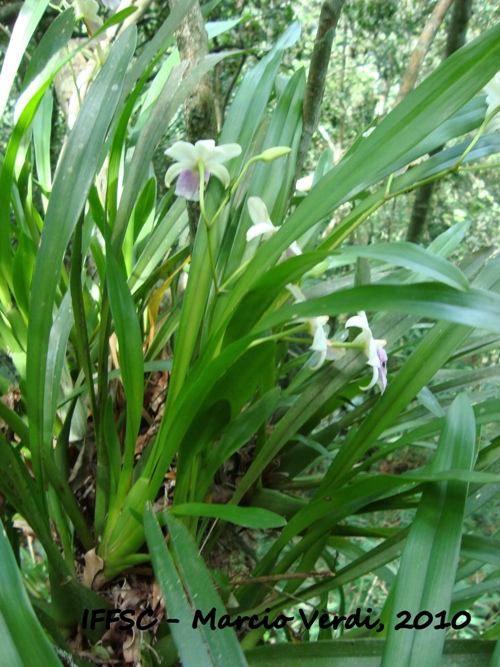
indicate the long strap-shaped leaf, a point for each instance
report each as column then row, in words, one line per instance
column 17, row 618
column 365, row 652
column 186, row 586
column 427, row 572
column 389, row 147
column 71, row 186
column 27, row 21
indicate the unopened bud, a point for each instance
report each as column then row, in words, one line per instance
column 317, row 270
column 274, row 153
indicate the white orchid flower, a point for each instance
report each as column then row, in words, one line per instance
column 262, row 226
column 190, row 157
column 317, row 328
column 320, row 340
column 88, row 11
column 492, row 90
column 372, row 348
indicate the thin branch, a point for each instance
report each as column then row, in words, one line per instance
column 423, row 45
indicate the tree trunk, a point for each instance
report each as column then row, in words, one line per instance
column 457, row 32
column 199, row 109
column 329, row 17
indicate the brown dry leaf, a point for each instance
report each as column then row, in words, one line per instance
column 132, row 649
column 93, row 565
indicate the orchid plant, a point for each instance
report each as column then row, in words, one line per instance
column 203, row 392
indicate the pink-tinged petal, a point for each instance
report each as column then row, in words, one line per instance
column 188, row 184
column 372, row 349
column 382, row 370
column 261, row 229
column 93, row 26
column 204, row 154
column 220, row 172
column 182, row 151
column 293, row 250
column 379, row 367
column 88, row 10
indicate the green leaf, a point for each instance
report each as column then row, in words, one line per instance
column 249, row 517
column 476, row 308
column 77, row 168
column 429, row 401
column 485, row 549
column 58, row 340
column 130, row 349
column 17, row 618
column 448, row 241
column 271, row 181
column 187, row 586
column 27, row 21
column 160, row 42
column 361, row 653
column 415, row 258
column 22, row 272
column 248, row 106
column 42, row 129
column 239, row 432
column 56, row 38
column 433, row 546
column 215, row 28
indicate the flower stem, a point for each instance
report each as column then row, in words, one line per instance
column 282, row 335
column 208, row 224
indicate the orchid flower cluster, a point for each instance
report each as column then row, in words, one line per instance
column 193, row 167
column 371, row 347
